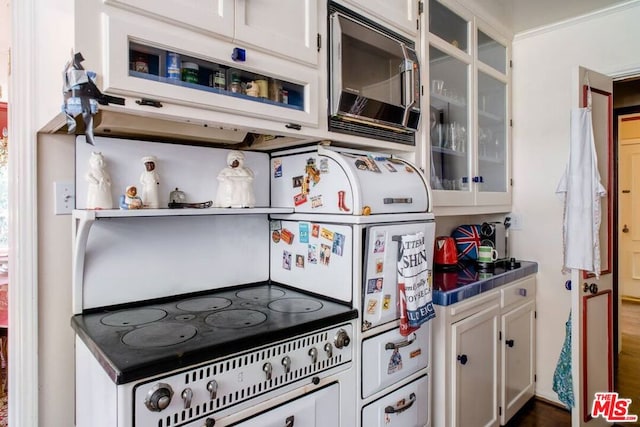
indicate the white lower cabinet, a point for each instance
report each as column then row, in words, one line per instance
column 405, row 407
column 484, row 357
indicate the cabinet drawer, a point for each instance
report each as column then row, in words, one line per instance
column 519, row 292
column 471, row 306
column 407, row 406
column 389, row 357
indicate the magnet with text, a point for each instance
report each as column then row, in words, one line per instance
column 326, row 234
column 372, row 306
column 324, row 165
column 395, row 363
column 316, row 202
column 299, row 199
column 303, row 229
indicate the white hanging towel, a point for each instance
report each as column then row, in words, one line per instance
column 582, row 191
column 414, row 283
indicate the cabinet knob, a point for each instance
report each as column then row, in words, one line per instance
column 509, row 343
column 463, row 358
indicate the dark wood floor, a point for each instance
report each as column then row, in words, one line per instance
column 538, row 413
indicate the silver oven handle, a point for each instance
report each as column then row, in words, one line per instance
column 396, row 345
column 392, row 200
column 393, row 410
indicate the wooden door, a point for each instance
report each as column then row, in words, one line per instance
column 629, row 205
column 591, row 298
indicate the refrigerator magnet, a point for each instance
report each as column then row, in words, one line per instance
column 326, row 234
column 299, row 261
column 287, row 236
column 325, row 254
column 275, row 236
column 338, row 243
column 303, row 229
column 316, row 201
column 374, row 285
column 315, row 230
column 297, row 181
column 286, row 260
column 324, row 165
column 276, row 224
column 299, row 199
column 378, row 246
column 390, row 167
column 372, row 304
column 386, row 302
column 277, row 168
column 379, row 266
column 415, row 353
column 395, row 363
column 312, row 254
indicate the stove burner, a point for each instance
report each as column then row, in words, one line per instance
column 133, row 317
column 260, row 294
column 235, row 319
column 159, row 335
column 204, row 304
column 295, row 305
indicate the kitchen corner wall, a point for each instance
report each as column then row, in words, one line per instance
column 55, row 337
column 544, row 76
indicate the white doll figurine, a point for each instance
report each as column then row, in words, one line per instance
column 99, row 183
column 150, row 181
column 235, row 184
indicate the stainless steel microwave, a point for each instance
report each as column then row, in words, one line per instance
column 374, row 79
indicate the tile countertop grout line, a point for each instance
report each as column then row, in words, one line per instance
column 472, row 289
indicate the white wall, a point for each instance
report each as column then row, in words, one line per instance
column 543, row 77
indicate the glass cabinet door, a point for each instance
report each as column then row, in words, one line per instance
column 492, row 134
column 449, row 122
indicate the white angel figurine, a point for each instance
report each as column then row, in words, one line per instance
column 99, row 183
column 150, row 181
column 235, row 184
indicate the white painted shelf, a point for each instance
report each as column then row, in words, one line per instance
column 90, row 214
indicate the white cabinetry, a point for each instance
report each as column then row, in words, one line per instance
column 284, row 27
column 247, row 43
column 402, row 14
column 484, row 370
column 469, row 117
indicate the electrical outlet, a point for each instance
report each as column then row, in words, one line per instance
column 516, row 221
column 64, row 197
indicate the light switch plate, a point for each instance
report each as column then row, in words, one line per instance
column 64, row 197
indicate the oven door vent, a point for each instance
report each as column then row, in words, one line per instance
column 226, row 386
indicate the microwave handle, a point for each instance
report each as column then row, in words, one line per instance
column 408, row 84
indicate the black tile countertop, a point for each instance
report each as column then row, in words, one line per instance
column 467, row 280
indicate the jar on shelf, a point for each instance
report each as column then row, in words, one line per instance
column 236, row 85
column 173, row 66
column 190, row 72
column 141, row 63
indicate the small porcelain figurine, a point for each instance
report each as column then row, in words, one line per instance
column 99, row 183
column 150, row 181
column 235, row 184
column 130, row 200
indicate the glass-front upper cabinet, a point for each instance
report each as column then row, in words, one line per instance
column 449, row 122
column 492, row 107
column 469, row 72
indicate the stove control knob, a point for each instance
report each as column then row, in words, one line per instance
column 313, row 352
column 187, row 395
column 328, row 348
column 212, row 388
column 286, row 362
column 342, row 339
column 159, row 397
column 268, row 369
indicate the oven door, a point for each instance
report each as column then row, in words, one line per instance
column 321, row 408
column 380, row 280
column 374, row 77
